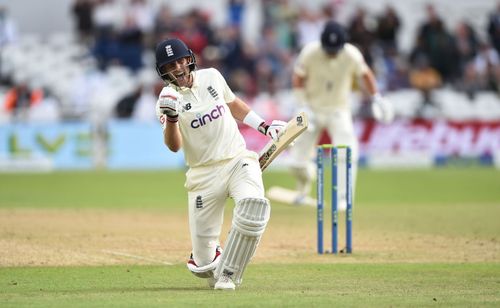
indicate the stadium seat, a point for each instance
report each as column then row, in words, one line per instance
column 487, row 106
column 406, row 102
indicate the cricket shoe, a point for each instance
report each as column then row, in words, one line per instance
column 299, row 199
column 224, row 283
column 304, row 200
column 205, row 271
column 342, row 205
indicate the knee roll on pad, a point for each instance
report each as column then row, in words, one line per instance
column 250, row 218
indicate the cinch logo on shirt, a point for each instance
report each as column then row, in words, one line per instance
column 214, row 114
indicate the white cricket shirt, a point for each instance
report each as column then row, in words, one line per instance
column 209, row 132
column 329, row 80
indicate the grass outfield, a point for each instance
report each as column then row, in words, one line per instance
column 300, row 285
column 421, row 238
column 141, row 189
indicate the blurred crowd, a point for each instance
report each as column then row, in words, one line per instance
column 118, row 35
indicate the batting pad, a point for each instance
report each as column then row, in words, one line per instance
column 250, row 218
column 288, row 196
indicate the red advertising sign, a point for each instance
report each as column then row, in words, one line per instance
column 414, row 142
column 437, row 138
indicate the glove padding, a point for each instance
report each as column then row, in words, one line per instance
column 276, row 129
column 168, row 102
column 382, row 109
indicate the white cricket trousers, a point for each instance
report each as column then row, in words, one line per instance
column 340, row 127
column 208, row 189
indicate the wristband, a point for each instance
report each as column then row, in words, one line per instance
column 254, row 120
column 173, row 119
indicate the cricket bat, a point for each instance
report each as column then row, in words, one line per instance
column 272, row 149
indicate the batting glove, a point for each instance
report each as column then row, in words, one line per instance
column 168, row 104
column 382, row 109
column 275, row 130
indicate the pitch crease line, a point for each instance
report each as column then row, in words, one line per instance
column 122, row 254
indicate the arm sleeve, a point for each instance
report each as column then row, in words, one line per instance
column 300, row 67
column 360, row 66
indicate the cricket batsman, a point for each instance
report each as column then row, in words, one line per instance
column 198, row 113
column 322, row 81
